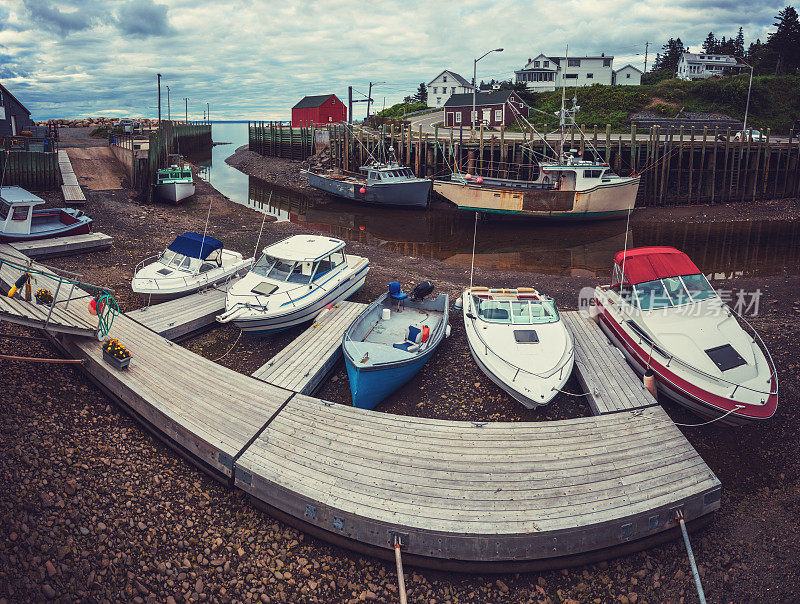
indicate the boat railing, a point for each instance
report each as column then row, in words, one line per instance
column 567, row 359
column 756, row 338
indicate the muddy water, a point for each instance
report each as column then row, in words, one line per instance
column 721, row 250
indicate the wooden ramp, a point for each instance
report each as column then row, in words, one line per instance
column 73, row 195
column 64, row 246
column 178, row 318
column 303, row 364
column 602, row 370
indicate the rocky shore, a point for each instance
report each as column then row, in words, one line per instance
column 92, row 507
column 95, row 122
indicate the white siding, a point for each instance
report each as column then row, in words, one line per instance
column 580, row 71
column 443, row 87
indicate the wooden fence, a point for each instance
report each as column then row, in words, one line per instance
column 273, row 139
column 34, row 170
column 677, row 166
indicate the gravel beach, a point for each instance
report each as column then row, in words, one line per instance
column 93, row 507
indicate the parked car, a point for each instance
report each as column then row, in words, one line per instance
column 129, row 126
column 752, row 135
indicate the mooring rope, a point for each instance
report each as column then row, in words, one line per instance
column 229, row 349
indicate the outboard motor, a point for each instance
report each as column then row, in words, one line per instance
column 422, row 290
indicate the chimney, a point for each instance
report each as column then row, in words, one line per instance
column 602, row 54
column 529, row 59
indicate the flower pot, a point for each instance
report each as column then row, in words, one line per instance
column 115, row 362
column 42, row 302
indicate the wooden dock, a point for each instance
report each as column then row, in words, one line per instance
column 181, row 317
column 602, row 370
column 531, row 494
column 64, row 246
column 73, row 195
column 303, row 364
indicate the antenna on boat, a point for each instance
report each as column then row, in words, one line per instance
column 474, row 237
column 562, row 118
column 263, row 220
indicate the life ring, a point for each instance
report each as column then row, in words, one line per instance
column 546, row 171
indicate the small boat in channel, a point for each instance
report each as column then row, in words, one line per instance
column 520, row 342
column 21, row 221
column 175, row 183
column 293, row 281
column 190, row 263
column 663, row 314
column 388, row 344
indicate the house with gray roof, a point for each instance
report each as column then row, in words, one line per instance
column 546, row 73
column 446, row 84
column 493, row 109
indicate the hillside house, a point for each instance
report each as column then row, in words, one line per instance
column 14, row 117
column 627, row 76
column 320, row 109
column 446, row 84
column 700, row 66
column 493, row 109
column 545, row 74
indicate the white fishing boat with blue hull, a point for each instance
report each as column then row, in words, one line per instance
column 518, row 339
column 384, row 348
column 292, row 282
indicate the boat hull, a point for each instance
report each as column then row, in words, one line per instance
column 162, row 295
column 82, row 226
column 690, row 396
column 298, row 316
column 604, row 201
column 403, row 194
column 175, row 192
column 369, row 386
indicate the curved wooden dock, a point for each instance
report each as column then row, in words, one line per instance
column 457, row 494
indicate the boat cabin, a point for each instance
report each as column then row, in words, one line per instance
column 16, row 211
column 302, row 259
column 522, row 306
column 174, row 174
column 387, row 173
column 192, row 253
column 652, row 278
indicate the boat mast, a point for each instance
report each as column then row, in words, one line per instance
column 562, row 114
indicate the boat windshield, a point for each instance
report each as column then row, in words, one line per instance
column 518, row 312
column 284, row 270
column 673, row 291
column 175, row 260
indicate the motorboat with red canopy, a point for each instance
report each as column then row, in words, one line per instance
column 662, row 313
column 21, row 221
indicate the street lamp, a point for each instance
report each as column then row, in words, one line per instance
column 474, row 82
column 169, row 117
column 747, row 107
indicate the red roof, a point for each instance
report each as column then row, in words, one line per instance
column 648, row 263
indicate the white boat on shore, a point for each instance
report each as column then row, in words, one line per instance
column 518, row 339
column 175, row 183
column 292, row 282
column 662, row 313
column 190, row 263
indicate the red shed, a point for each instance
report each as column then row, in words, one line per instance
column 320, row 109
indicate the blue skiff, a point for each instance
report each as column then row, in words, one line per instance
column 383, row 354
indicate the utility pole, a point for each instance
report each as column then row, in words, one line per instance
column 646, row 48
column 369, row 99
column 475, row 83
column 169, row 117
column 186, row 100
column 208, row 112
column 159, row 99
column 349, row 104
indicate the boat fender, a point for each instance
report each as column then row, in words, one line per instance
column 546, row 180
column 649, row 380
column 23, row 280
column 362, row 190
column 459, row 305
column 447, row 331
column 426, row 332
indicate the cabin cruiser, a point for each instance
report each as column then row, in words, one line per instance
column 519, row 340
column 663, row 314
column 175, row 183
column 20, row 221
column 293, row 281
column 190, row 263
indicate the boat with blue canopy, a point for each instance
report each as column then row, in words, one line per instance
column 390, row 342
column 193, row 261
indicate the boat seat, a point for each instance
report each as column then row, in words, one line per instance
column 537, row 311
column 413, row 339
column 397, row 293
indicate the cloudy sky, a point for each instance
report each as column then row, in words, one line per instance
column 254, row 59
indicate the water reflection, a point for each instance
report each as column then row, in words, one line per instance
column 726, row 249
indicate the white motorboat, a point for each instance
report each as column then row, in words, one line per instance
column 292, row 282
column 175, row 183
column 190, row 263
column 662, row 313
column 518, row 339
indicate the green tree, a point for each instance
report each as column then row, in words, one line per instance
column 738, row 44
column 710, row 45
column 421, row 95
column 670, row 56
column 785, row 41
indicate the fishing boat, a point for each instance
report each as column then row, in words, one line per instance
column 663, row 314
column 20, row 221
column 190, row 263
column 386, row 346
column 385, row 183
column 293, row 281
column 175, row 183
column 518, row 339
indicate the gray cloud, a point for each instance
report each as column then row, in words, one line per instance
column 52, row 18
column 143, row 18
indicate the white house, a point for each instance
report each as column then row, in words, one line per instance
column 544, row 73
column 443, row 86
column 699, row 66
column 627, row 76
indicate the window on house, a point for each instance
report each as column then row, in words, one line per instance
column 444, row 78
column 606, row 62
column 571, row 76
column 453, row 90
column 545, row 63
column 627, row 75
column 498, row 115
column 573, row 62
column 438, row 100
column 458, row 117
column 536, row 63
column 589, row 76
column 434, row 90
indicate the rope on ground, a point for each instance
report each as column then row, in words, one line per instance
column 229, row 349
column 571, row 393
column 711, row 421
column 40, row 360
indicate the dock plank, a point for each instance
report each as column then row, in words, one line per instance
column 73, row 194
column 64, row 246
column 303, row 364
